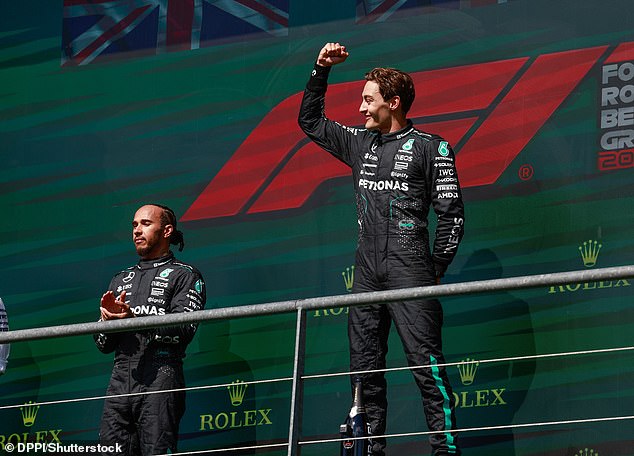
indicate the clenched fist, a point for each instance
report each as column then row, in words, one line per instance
column 332, row 54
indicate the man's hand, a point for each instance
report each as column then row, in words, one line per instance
column 332, row 54
column 114, row 308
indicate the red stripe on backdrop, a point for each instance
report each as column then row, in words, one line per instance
column 278, row 134
column 521, row 113
column 180, row 18
column 256, row 158
column 459, row 89
column 311, row 166
column 468, row 89
column 623, row 53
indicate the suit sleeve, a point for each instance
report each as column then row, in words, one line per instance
column 189, row 295
column 331, row 136
column 446, row 198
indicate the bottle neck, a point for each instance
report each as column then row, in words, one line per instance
column 357, row 400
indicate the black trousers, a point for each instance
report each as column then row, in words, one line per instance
column 146, row 424
column 419, row 325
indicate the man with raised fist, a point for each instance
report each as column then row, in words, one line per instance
column 399, row 172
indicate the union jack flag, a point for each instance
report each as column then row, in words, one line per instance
column 97, row 29
column 381, row 10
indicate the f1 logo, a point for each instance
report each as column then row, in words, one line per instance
column 278, row 168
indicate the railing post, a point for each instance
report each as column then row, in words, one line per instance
column 297, row 395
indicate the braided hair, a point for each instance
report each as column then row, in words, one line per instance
column 169, row 218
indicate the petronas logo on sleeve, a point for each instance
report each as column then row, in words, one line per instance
column 443, row 148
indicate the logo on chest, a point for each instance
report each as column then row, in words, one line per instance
column 383, row 185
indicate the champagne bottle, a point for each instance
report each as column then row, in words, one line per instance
column 356, row 425
column 4, row 348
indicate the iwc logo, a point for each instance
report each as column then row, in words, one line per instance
column 469, row 398
column 589, row 251
column 236, row 419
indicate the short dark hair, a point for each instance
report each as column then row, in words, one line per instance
column 393, row 82
column 169, row 218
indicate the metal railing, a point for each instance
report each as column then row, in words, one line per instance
column 301, row 306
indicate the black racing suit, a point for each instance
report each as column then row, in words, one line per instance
column 150, row 360
column 397, row 177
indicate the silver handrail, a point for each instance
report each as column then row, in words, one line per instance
column 300, row 307
column 324, row 302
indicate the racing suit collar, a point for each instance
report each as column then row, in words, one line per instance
column 396, row 135
column 156, row 262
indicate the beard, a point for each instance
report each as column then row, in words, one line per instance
column 152, row 246
column 142, row 251
column 146, row 248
